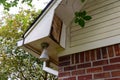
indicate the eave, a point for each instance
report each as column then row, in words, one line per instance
column 33, row 38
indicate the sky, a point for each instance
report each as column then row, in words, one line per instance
column 38, row 4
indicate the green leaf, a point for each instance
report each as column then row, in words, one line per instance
column 83, row 14
column 87, row 18
column 82, row 1
column 81, row 22
column 30, row 4
column 76, row 20
column 77, row 14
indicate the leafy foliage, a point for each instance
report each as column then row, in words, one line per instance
column 15, row 63
column 81, row 18
column 8, row 4
column 82, row 0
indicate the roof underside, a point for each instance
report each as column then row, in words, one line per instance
column 65, row 10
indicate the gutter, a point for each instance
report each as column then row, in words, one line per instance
column 49, row 70
column 42, row 14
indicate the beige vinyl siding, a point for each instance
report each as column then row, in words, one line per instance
column 92, row 4
column 108, row 7
column 105, row 23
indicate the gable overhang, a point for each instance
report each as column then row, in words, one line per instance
column 39, row 32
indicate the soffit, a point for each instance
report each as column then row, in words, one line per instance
column 66, row 10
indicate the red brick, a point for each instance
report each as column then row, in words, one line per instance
column 92, row 54
column 102, row 75
column 73, row 58
column 111, row 67
column 64, row 74
column 69, row 68
column 60, row 78
column 93, row 70
column 64, row 63
column 116, row 73
column 82, row 57
column 98, row 63
column 60, row 69
column 64, row 58
column 77, row 58
column 87, row 56
column 84, row 65
column 98, row 53
column 85, row 77
column 114, row 60
column 110, row 51
column 104, row 52
column 113, row 79
column 70, row 78
column 78, row 72
column 117, row 50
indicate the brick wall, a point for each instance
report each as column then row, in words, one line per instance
column 98, row 64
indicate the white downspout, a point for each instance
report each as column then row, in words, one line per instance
column 49, row 70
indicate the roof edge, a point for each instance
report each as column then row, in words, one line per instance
column 42, row 12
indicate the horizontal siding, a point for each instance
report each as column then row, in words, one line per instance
column 102, row 4
column 93, row 3
column 96, row 32
column 102, row 19
column 107, row 7
column 96, row 37
column 97, row 26
column 103, row 10
column 105, row 23
column 107, row 12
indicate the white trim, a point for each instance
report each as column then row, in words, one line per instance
column 39, row 19
column 91, row 45
column 52, row 6
column 49, row 13
column 49, row 70
column 63, row 36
